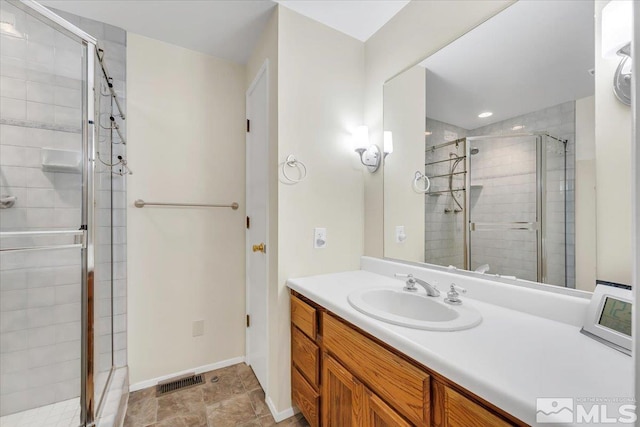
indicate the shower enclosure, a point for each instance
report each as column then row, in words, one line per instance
column 500, row 201
column 61, row 124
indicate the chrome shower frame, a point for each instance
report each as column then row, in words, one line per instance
column 87, row 403
column 541, row 187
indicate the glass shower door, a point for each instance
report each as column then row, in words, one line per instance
column 504, row 218
column 555, row 213
column 46, row 272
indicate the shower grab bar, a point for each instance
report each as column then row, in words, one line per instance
column 42, row 248
column 141, row 204
column 491, row 226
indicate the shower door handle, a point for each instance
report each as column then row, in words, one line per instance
column 79, row 240
column 501, row 226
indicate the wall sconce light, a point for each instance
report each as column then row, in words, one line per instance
column 369, row 153
column 616, row 41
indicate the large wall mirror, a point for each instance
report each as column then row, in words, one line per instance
column 512, row 152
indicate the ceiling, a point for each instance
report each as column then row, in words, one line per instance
column 533, row 55
column 358, row 18
column 227, row 29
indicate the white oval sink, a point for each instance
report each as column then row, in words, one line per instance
column 414, row 310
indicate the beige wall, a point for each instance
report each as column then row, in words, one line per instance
column 418, row 30
column 585, row 194
column 320, row 86
column 404, row 115
column 613, row 172
column 186, row 114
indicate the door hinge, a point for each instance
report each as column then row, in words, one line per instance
column 248, row 125
column 248, row 321
column 248, row 222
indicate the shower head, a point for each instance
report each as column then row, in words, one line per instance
column 474, row 151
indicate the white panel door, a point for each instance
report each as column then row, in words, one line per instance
column 257, row 197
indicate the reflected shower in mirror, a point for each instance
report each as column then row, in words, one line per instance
column 501, row 127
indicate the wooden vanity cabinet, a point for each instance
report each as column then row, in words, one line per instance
column 305, row 360
column 341, row 376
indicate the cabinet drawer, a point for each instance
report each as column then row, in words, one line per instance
column 459, row 411
column 304, row 317
column 305, row 397
column 387, row 375
column 305, row 355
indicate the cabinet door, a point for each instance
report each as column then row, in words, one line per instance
column 379, row 414
column 452, row 409
column 341, row 396
column 305, row 397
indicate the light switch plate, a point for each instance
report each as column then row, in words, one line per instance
column 319, row 238
column 401, row 236
column 198, row 328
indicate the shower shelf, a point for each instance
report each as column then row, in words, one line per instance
column 476, row 185
column 54, row 160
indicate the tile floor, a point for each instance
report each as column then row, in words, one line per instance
column 236, row 400
column 60, row 414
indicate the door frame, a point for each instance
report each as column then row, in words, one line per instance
column 263, row 71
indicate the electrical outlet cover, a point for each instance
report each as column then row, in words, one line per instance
column 319, row 238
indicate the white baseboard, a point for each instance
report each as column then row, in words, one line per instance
column 282, row 415
column 204, row 368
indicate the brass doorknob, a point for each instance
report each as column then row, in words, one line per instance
column 260, row 248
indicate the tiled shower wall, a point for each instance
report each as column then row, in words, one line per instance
column 40, row 305
column 497, row 159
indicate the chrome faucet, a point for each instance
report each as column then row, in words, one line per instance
column 482, row 269
column 410, row 286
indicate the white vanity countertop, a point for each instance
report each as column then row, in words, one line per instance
column 510, row 359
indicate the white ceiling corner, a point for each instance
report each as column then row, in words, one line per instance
column 358, row 18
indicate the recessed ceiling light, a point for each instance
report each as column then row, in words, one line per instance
column 485, row 114
column 518, row 127
column 427, row 133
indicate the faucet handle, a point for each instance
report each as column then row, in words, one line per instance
column 458, row 288
column 411, row 282
column 453, row 297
